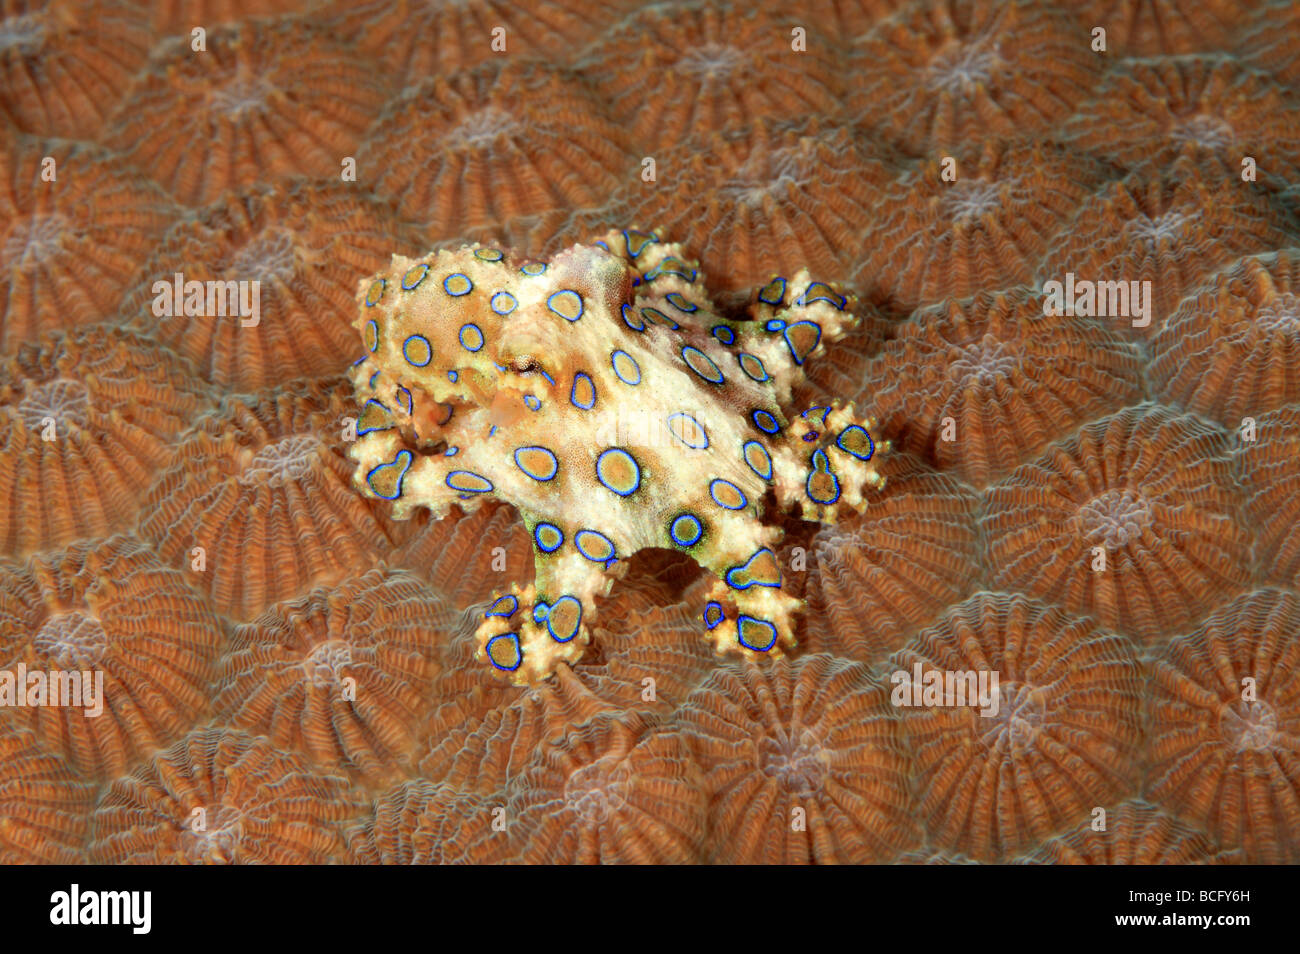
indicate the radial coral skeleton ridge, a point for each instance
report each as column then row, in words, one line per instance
column 603, row 395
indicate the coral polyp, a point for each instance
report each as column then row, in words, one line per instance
column 89, row 416
column 45, row 805
column 1173, row 227
column 1230, row 349
column 1225, row 726
column 1149, row 112
column 1272, row 483
column 142, row 677
column 74, row 227
column 602, row 394
column 977, row 386
column 220, row 797
column 341, row 674
column 940, row 75
column 258, row 504
column 1133, row 833
column 1136, row 519
column 268, row 102
column 254, row 289
column 770, row 198
column 619, row 789
column 65, row 65
column 678, row 70
column 874, row 579
column 1002, row 765
column 977, row 220
column 491, row 166
column 812, row 739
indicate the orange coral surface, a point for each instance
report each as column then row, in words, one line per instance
column 1097, row 502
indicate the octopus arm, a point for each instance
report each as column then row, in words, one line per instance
column 527, row 631
column 387, row 469
column 824, row 462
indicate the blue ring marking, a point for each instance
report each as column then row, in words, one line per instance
column 618, row 454
column 453, row 375
column 407, row 284
column 404, row 398
column 503, row 303
column 643, row 241
column 373, row 378
column 550, row 619
column 625, row 373
column 671, row 266
column 753, row 367
column 372, row 327
column 728, row 485
column 821, row 464
column 532, row 402
column 679, row 301
column 475, row 334
column 602, row 244
column 820, row 291
column 724, row 334
column 421, row 342
column 773, row 293
column 540, row 611
column 464, row 289
column 537, row 537
column 403, row 460
column 629, row 313
column 774, row 324
column 582, row 540
column 765, row 422
column 549, row 380
column 759, row 644
column 533, row 269
column 589, row 391
column 794, row 352
column 465, row 482
column 744, row 567
column 370, row 430
column 690, row 351
column 543, row 476
column 659, row 318
column 713, row 614
column 855, row 428
column 819, row 407
column 518, row 653
column 766, row 458
column 452, row 451
column 373, row 299
column 488, row 254
column 360, row 360
column 691, row 422
column 568, row 299
column 492, row 430
column 498, row 608
column 686, row 529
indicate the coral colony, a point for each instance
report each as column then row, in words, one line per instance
column 792, row 431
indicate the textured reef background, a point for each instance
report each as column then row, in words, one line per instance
column 1104, row 509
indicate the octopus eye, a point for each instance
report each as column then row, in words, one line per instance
column 526, row 364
